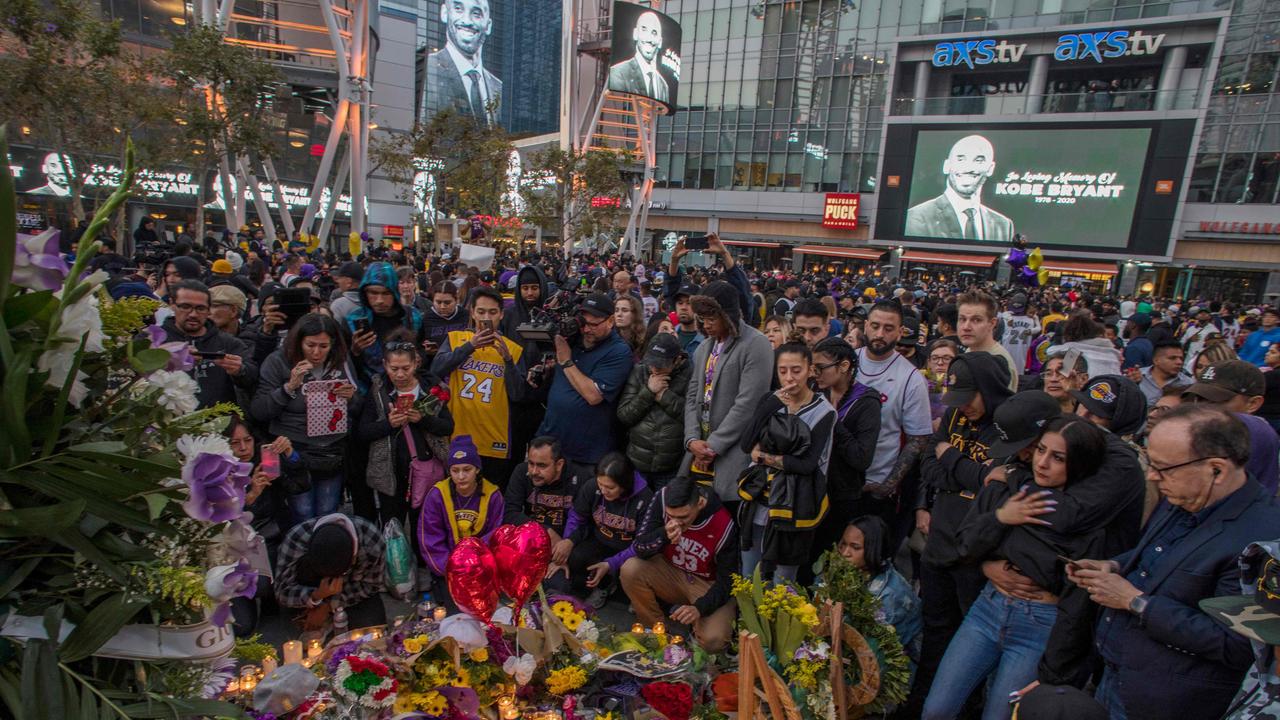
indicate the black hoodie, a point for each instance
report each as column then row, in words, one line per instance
column 955, row 479
column 518, row 312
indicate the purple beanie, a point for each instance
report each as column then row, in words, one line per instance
column 462, row 451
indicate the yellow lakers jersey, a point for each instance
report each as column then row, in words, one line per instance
column 478, row 391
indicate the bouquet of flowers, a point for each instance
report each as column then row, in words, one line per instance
column 430, row 402
column 780, row 614
column 366, row 681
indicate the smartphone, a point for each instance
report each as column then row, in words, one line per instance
column 484, row 325
column 362, row 326
column 209, row 355
column 404, row 402
column 695, row 242
column 1073, row 564
column 270, row 463
column 294, row 303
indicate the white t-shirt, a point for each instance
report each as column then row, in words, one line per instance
column 904, row 408
column 650, row 304
column 1019, row 332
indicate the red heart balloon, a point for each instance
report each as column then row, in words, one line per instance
column 471, row 575
column 523, row 554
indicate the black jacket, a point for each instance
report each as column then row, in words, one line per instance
column 215, row 384
column 373, row 424
column 955, row 479
column 655, row 427
column 549, row 505
column 518, row 312
column 853, row 446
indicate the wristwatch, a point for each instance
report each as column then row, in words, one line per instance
column 1138, row 605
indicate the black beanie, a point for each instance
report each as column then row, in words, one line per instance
column 726, row 296
column 329, row 554
column 187, row 268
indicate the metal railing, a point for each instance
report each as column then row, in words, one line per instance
column 1083, row 102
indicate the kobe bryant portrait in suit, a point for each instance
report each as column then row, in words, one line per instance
column 456, row 77
column 639, row 74
column 958, row 212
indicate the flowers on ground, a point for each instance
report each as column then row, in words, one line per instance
column 366, row 681
column 225, row 582
column 565, row 680
column 177, row 391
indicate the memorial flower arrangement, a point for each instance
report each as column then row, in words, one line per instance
column 366, row 680
column 123, row 512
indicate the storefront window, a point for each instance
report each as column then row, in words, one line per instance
column 1234, row 178
column 1262, row 183
column 1203, row 176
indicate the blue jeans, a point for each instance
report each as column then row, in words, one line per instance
column 1108, row 695
column 1001, row 639
column 769, row 571
column 321, row 499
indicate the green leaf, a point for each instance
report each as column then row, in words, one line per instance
column 150, row 360
column 105, row 446
column 21, row 308
column 155, row 504
column 102, row 623
column 8, row 221
column 76, row 540
column 165, row 707
column 14, row 405
column 10, row 695
column 16, row 578
column 42, row 521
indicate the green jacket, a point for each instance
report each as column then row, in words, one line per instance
column 656, row 427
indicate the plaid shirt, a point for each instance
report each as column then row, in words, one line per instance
column 365, row 577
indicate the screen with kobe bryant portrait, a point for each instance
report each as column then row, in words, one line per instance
column 644, row 57
column 1080, row 185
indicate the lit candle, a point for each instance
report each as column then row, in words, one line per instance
column 659, row 629
column 314, row 649
column 248, row 678
column 440, row 613
column 233, row 687
column 269, row 665
column 292, row 652
column 677, row 639
column 507, row 709
column 637, row 629
column 249, row 684
column 375, row 634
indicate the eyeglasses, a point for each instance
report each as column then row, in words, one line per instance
column 587, row 323
column 823, row 366
column 1053, row 373
column 1158, row 410
column 188, row 307
column 941, row 358
column 1160, row 471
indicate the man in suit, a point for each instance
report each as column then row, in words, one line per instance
column 958, row 212
column 456, row 77
column 1163, row 657
column 639, row 74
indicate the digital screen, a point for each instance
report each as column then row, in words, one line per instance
column 1060, row 186
column 644, row 58
column 459, row 75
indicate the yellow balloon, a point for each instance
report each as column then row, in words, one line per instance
column 1035, row 259
column 353, row 244
column 312, row 241
column 1043, row 276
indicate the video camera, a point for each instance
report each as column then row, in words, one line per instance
column 558, row 316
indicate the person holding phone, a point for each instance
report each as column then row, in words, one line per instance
column 444, row 316
column 314, row 351
column 223, row 363
column 379, row 316
column 485, row 372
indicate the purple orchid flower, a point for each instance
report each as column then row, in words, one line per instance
column 226, row 582
column 217, row 485
column 180, row 358
column 38, row 265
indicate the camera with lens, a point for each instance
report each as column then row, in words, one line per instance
column 558, row 316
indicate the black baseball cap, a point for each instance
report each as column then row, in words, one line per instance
column 663, row 350
column 597, row 304
column 1219, row 383
column 1255, row 615
column 1018, row 302
column 687, row 290
column 910, row 331
column 961, row 385
column 351, row 269
column 1020, row 419
column 1115, row 398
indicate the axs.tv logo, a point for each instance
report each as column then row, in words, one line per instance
column 1106, row 44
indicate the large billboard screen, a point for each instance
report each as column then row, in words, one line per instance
column 1083, row 186
column 645, row 55
column 458, row 75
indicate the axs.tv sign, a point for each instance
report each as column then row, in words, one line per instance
column 1098, row 46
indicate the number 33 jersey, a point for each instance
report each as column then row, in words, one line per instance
column 478, row 389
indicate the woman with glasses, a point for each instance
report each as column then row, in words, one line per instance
column 306, row 392
column 937, row 362
column 1004, row 637
column 396, row 427
column 835, row 365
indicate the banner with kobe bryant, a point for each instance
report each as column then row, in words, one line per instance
column 464, row 73
column 644, row 58
column 1074, row 185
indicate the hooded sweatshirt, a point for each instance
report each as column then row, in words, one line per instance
column 548, row 505
column 956, row 478
column 612, row 523
column 519, row 311
column 381, row 274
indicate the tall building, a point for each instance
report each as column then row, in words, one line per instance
column 1137, row 142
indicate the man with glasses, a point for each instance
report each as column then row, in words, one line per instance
column 1238, row 387
column 223, row 362
column 1162, row 656
column 585, row 384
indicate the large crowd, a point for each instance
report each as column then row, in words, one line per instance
column 1042, row 483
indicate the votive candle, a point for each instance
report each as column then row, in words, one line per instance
column 269, row 665
column 659, row 629
column 292, row 652
column 440, row 613
column 314, row 649
column 637, row 629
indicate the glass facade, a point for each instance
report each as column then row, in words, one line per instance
column 790, row 95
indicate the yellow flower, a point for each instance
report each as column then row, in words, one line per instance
column 414, row 645
column 433, row 703
column 480, row 655
column 573, row 619
column 741, row 585
column 566, row 680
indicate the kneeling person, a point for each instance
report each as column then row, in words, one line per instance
column 603, row 526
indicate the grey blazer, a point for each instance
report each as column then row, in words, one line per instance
column 742, row 377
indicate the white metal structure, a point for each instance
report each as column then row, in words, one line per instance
column 601, row 118
column 345, row 43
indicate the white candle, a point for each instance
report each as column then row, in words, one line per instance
column 314, row 649
column 292, row 652
column 269, row 665
column 441, row 613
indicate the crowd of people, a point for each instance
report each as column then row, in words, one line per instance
column 1042, row 484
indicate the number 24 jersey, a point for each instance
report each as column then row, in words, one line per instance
column 479, row 402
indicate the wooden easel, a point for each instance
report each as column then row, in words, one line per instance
column 752, row 667
column 835, row 619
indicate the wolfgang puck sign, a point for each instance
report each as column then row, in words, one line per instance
column 840, row 210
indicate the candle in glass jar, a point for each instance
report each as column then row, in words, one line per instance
column 677, row 639
column 269, row 665
column 507, row 709
column 659, row 629
column 233, row 687
column 440, row 613
column 314, row 649
column 248, row 678
column 292, row 652
column 637, row 629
